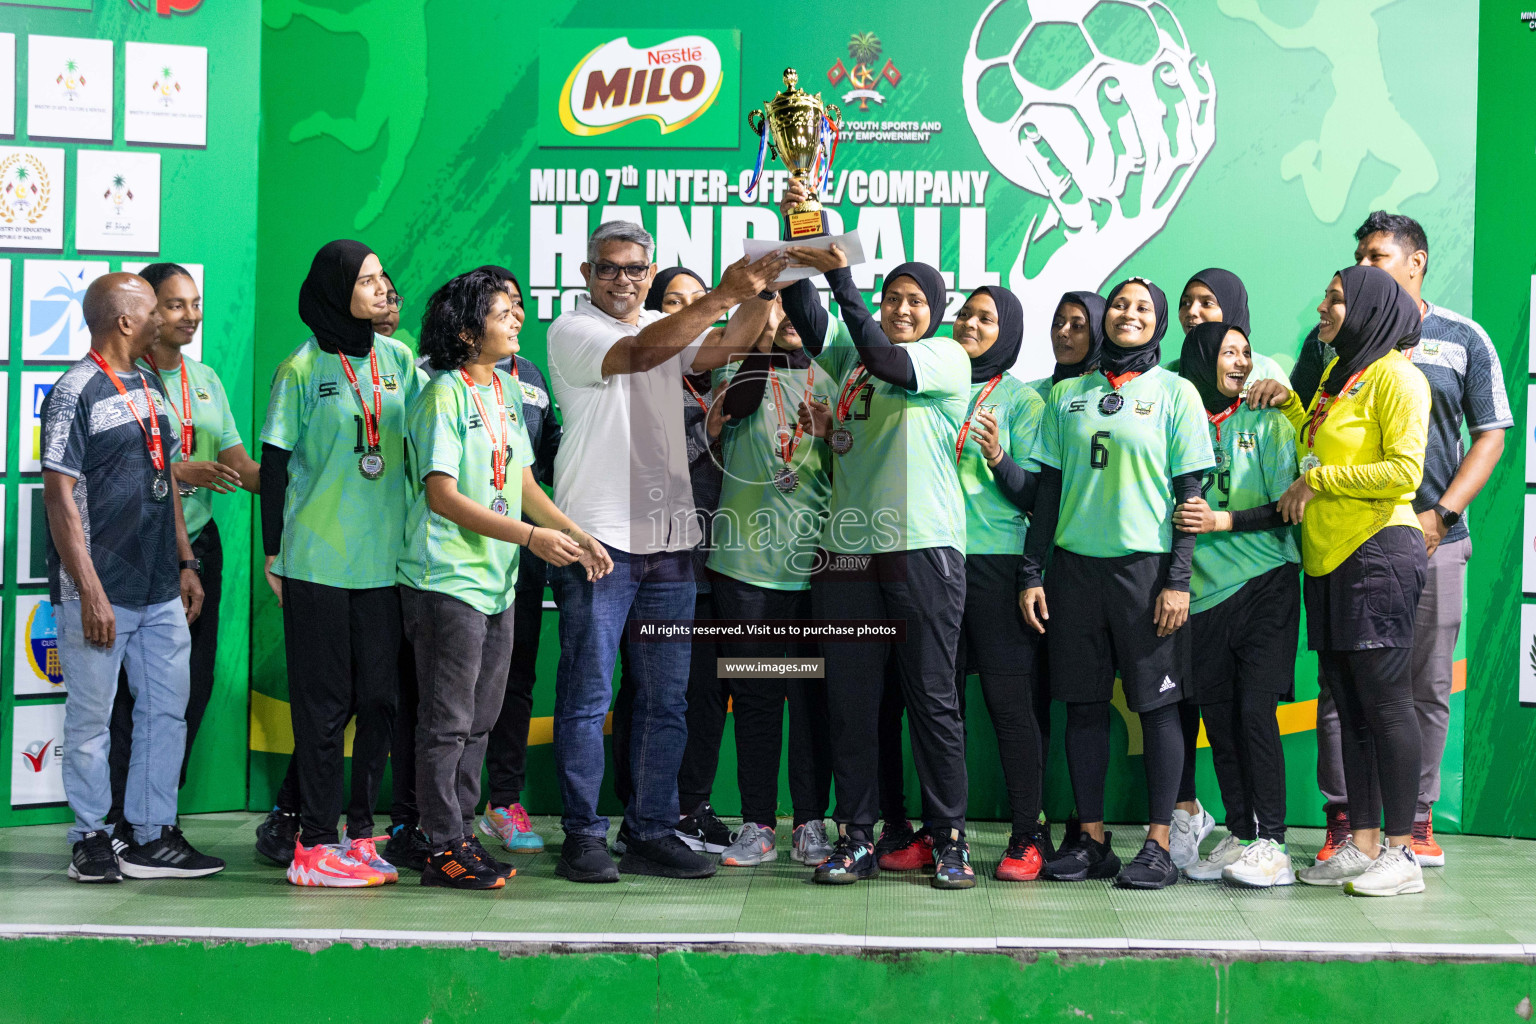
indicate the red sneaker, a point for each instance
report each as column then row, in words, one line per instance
column 330, row 867
column 1022, row 861
column 1339, row 833
column 916, row 852
column 1425, row 850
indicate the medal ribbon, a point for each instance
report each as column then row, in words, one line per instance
column 1221, row 417
column 188, row 438
column 370, row 424
column 1325, row 405
column 151, row 432
column 1118, row 382
column 965, row 430
column 851, row 391
column 696, row 396
column 787, row 450
column 498, row 444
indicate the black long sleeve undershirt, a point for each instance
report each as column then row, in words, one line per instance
column 1016, row 483
column 1253, row 520
column 274, row 490
column 1042, row 531
column 884, row 359
column 750, row 382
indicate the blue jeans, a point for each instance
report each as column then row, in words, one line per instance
column 592, row 618
column 153, row 646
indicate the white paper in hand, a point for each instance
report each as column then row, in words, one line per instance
column 757, row 248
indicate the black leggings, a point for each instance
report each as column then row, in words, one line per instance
column 1189, row 725
column 1088, row 758
column 1250, row 763
column 1380, row 733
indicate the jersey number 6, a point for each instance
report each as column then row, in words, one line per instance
column 1098, row 452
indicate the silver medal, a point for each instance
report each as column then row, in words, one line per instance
column 499, row 505
column 786, row 479
column 160, row 488
column 1310, row 462
column 841, row 440
column 371, row 465
column 1221, row 458
column 1111, row 403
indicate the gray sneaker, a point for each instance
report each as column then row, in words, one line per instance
column 753, row 845
column 1346, row 864
column 810, row 844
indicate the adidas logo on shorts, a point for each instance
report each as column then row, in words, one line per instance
column 1168, row 684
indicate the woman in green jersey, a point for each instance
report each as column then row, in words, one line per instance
column 991, row 451
column 1117, row 450
column 1245, row 607
column 471, row 480
column 894, row 541
column 333, row 503
column 1077, row 339
column 213, row 461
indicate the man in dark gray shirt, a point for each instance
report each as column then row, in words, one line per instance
column 1466, row 387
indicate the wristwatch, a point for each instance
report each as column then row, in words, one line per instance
column 1449, row 518
column 195, row 564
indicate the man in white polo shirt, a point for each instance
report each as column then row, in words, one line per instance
column 622, row 469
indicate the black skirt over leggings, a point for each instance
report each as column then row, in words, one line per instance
column 1360, row 620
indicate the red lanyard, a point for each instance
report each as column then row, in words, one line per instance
column 787, row 448
column 696, row 396
column 1325, row 405
column 152, row 432
column 498, row 445
column 851, row 391
column 1221, row 417
column 188, row 436
column 965, row 430
column 1122, row 380
column 370, row 424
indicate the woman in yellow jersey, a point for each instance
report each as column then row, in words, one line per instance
column 1361, row 442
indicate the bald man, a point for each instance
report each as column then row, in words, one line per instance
column 124, row 587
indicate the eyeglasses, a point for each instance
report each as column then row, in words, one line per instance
column 395, row 301
column 610, row 271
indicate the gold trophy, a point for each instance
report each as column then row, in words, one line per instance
column 801, row 131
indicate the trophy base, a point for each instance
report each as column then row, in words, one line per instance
column 806, row 224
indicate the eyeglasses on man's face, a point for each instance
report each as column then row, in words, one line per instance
column 610, row 271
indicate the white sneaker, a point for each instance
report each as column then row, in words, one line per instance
column 1209, row 870
column 1186, row 833
column 752, row 846
column 1394, row 871
column 1264, row 863
column 1346, row 864
column 810, row 845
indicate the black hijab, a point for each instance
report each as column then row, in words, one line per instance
column 659, row 285
column 931, row 284
column 1378, row 317
column 1010, row 335
column 325, row 298
column 1148, row 354
column 1230, row 294
column 1197, row 362
column 1093, row 305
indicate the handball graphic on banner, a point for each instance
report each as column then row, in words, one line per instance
column 639, row 89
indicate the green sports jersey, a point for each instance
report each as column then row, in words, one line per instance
column 1042, row 387
column 993, row 524
column 762, row 535
column 340, row 528
column 1117, row 469
column 446, row 435
column 213, row 429
column 896, row 489
column 1255, row 463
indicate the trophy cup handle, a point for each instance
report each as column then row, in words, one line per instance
column 755, row 120
column 835, row 115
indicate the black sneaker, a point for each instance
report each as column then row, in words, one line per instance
column 1081, row 859
column 408, row 847
column 92, row 859
column 170, row 856
column 458, row 867
column 501, row 867
column 583, row 858
column 668, row 857
column 704, row 832
column 275, row 837
column 1152, row 868
column 952, row 865
column 895, row 835
column 122, row 836
column 851, row 861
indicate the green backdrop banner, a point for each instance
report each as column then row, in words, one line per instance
column 1047, row 145
column 110, row 104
